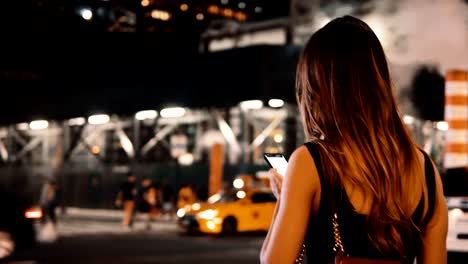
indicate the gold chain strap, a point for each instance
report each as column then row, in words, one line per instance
column 338, row 248
column 300, row 258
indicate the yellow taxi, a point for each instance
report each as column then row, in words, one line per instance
column 231, row 212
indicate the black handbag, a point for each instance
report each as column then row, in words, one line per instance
column 340, row 255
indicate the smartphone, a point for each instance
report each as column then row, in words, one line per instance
column 277, row 161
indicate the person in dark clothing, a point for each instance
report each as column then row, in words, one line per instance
column 146, row 200
column 126, row 199
column 50, row 199
column 360, row 186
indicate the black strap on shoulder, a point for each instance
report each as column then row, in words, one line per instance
column 332, row 191
column 431, row 186
column 312, row 147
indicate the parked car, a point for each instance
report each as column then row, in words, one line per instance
column 17, row 220
column 235, row 211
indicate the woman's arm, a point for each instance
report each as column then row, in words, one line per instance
column 286, row 235
column 434, row 249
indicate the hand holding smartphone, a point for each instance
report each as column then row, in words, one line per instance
column 277, row 161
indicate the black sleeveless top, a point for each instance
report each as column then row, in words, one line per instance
column 319, row 238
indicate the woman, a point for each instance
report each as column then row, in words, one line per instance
column 360, row 162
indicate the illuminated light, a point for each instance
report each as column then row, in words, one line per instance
column 173, row 112
column 33, row 213
column 200, row 16
column 217, row 220
column 181, row 212
column 160, row 14
column 242, row 5
column 442, row 125
column 39, row 124
column 251, row 105
column 241, row 194
column 22, row 126
column 95, row 150
column 145, row 2
column 196, row 206
column 99, row 119
column 238, row 183
column 208, row 214
column 184, row 7
column 186, row 159
column 77, row 121
column 146, row 114
column 86, row 13
column 228, row 12
column 278, row 138
column 276, row 103
column 409, row 120
column 214, row 198
column 455, row 213
column 224, row 2
column 258, row 9
column 211, row 225
column 212, row 9
column 241, row 16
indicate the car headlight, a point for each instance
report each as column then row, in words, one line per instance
column 181, row 212
column 208, row 214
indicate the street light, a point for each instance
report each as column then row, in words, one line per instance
column 77, row 121
column 442, row 125
column 409, row 120
column 251, row 105
column 173, row 112
column 99, row 119
column 86, row 14
column 39, row 124
column 146, row 114
column 22, row 126
column 276, row 103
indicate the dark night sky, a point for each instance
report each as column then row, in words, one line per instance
column 54, row 66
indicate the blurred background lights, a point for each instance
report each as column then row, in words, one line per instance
column 146, row 114
column 86, row 14
column 275, row 103
column 22, row 126
column 39, row 124
column 173, row 112
column 99, row 119
column 77, row 121
column 200, row 16
column 409, row 120
column 186, row 159
column 238, row 183
column 251, row 105
column 241, row 194
column 184, row 7
column 160, row 14
column 145, row 2
column 278, row 138
column 442, row 125
column 95, row 150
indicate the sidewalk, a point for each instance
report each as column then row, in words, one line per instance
column 104, row 214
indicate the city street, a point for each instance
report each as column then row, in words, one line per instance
column 103, row 241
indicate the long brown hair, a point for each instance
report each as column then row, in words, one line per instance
column 344, row 93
